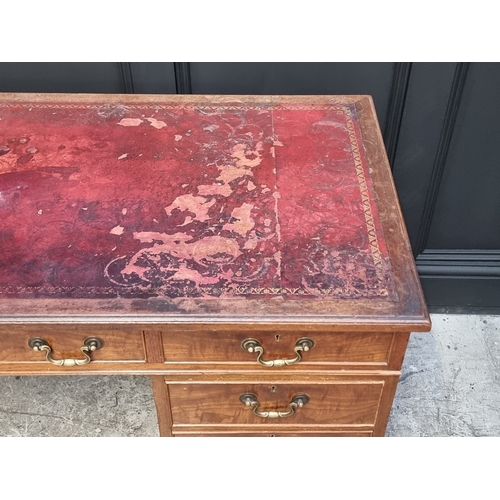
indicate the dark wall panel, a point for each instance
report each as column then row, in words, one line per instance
column 296, row 78
column 153, row 78
column 61, row 77
column 423, row 120
column 467, row 212
column 461, row 294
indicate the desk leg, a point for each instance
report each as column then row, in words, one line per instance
column 154, row 354
column 162, row 402
column 398, row 350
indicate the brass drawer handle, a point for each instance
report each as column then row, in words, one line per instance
column 253, row 345
column 298, row 401
column 89, row 344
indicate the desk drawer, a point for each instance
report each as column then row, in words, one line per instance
column 330, row 348
column 333, row 404
column 302, row 433
column 65, row 341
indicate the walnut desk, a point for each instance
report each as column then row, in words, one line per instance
column 247, row 253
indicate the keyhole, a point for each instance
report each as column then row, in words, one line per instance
column 277, row 338
column 273, row 388
column 272, row 435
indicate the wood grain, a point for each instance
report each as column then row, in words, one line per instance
column 334, row 404
column 398, row 350
column 121, row 343
column 230, row 432
column 209, row 346
column 385, row 406
column 153, row 346
column 162, row 403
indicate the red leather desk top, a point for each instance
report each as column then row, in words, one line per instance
column 206, row 200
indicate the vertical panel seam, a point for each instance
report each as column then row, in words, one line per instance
column 397, row 101
column 450, row 118
column 127, row 78
column 182, row 72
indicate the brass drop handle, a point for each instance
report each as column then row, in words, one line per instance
column 302, row 345
column 89, row 344
column 298, row 401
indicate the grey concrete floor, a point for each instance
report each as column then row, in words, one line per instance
column 450, row 386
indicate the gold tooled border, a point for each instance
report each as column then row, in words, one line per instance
column 365, row 197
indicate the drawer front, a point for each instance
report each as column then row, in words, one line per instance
column 330, row 348
column 311, row 433
column 332, row 404
column 65, row 341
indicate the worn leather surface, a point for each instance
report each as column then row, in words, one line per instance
column 223, row 200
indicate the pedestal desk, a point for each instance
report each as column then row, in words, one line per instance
column 247, row 253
